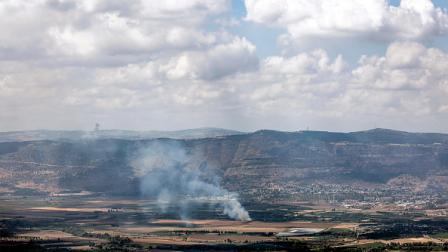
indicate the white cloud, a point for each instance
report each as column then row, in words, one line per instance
column 404, row 88
column 406, row 65
column 407, row 83
column 368, row 19
column 216, row 62
column 91, row 29
column 404, row 55
column 146, row 64
column 316, row 62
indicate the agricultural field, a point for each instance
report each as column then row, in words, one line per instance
column 95, row 223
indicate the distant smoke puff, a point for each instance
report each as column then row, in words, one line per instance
column 168, row 173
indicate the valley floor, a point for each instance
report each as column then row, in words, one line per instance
column 103, row 224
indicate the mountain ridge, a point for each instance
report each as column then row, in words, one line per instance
column 244, row 163
column 36, row 135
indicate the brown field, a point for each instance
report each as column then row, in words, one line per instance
column 70, row 209
column 346, row 225
column 67, row 240
column 251, row 226
column 49, row 235
column 211, row 238
column 237, row 227
column 401, row 241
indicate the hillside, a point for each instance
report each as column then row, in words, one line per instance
column 245, row 163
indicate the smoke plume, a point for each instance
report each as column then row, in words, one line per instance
column 175, row 178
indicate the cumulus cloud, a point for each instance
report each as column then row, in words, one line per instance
column 406, row 65
column 218, row 61
column 89, row 30
column 368, row 19
column 405, row 84
column 408, row 82
column 316, row 62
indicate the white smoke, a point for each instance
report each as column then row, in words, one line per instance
column 234, row 210
column 175, row 177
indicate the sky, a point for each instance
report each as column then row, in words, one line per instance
column 239, row 64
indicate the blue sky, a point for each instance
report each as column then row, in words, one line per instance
column 265, row 37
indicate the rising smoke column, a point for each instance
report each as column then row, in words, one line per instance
column 168, row 172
